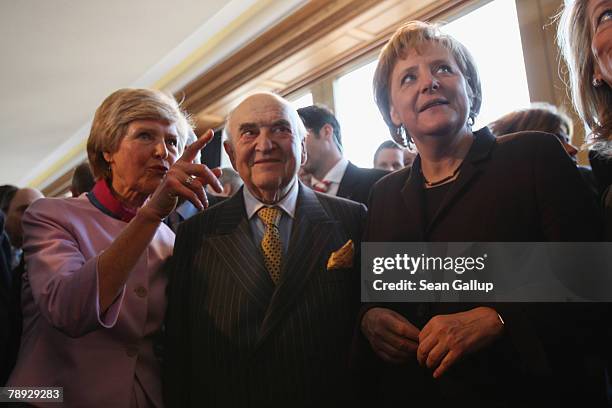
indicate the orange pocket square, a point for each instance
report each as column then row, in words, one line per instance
column 342, row 258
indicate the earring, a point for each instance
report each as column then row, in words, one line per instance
column 597, row 82
column 399, row 136
column 402, row 137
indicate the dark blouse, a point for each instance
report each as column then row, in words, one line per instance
column 433, row 198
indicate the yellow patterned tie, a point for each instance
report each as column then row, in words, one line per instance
column 271, row 242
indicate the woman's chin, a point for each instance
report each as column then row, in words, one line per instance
column 440, row 130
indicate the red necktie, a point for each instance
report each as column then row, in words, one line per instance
column 322, row 186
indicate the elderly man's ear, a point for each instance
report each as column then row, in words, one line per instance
column 230, row 153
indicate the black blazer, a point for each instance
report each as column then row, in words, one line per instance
column 357, row 183
column 10, row 323
column 517, row 188
column 233, row 338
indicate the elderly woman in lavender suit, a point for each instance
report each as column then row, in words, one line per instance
column 93, row 294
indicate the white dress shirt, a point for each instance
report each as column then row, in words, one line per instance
column 287, row 204
column 333, row 177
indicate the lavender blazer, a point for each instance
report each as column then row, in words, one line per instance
column 101, row 360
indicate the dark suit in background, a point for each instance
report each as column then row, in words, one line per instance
column 236, row 339
column 186, row 210
column 324, row 145
column 357, row 183
column 602, row 169
column 518, row 188
column 10, row 323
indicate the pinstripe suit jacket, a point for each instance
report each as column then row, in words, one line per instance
column 235, row 339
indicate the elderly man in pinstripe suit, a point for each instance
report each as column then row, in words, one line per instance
column 263, row 293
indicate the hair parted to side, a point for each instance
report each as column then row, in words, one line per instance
column 416, row 35
column 318, row 115
column 593, row 105
column 541, row 117
column 126, row 105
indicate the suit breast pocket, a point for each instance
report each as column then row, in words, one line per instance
column 338, row 275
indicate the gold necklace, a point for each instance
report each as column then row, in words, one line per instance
column 442, row 181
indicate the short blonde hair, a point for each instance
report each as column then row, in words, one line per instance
column 415, row 35
column 126, row 105
column 594, row 105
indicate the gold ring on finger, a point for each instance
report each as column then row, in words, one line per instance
column 189, row 180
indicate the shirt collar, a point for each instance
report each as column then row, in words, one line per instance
column 186, row 210
column 102, row 198
column 334, row 174
column 287, row 204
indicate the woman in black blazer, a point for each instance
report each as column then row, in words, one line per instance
column 464, row 186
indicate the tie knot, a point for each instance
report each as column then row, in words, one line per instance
column 269, row 215
column 321, row 186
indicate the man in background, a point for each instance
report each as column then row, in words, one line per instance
column 16, row 203
column 9, row 334
column 231, row 182
column 330, row 171
column 389, row 156
column 6, row 189
column 82, row 180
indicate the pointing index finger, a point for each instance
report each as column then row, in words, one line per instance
column 192, row 150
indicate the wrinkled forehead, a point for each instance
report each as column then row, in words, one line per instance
column 259, row 110
column 263, row 111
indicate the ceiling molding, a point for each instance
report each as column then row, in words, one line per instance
column 221, row 34
column 320, row 39
column 311, row 22
column 60, row 186
column 347, row 61
column 229, row 34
